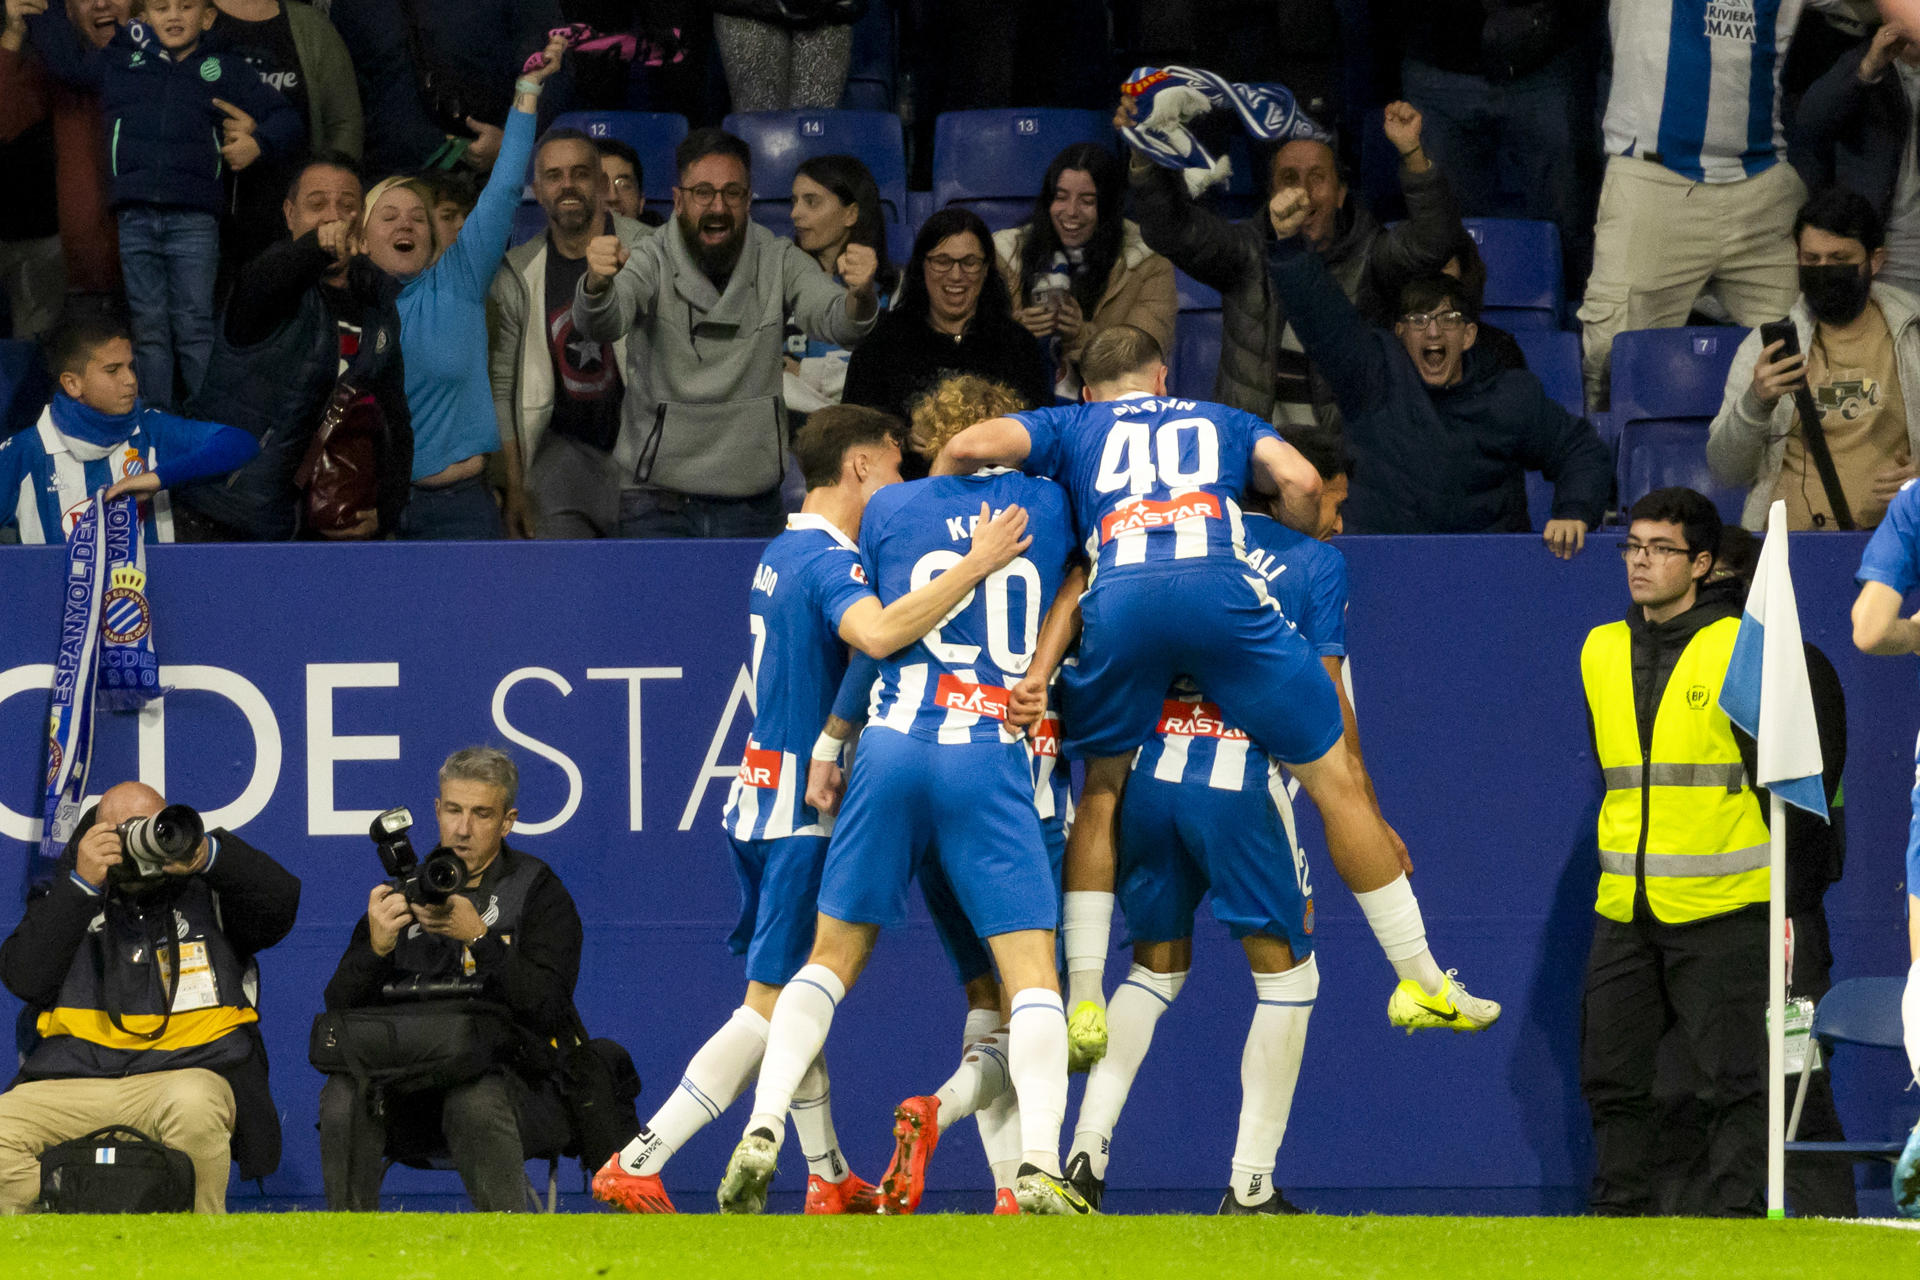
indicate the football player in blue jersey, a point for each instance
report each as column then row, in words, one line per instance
column 1889, row 571
column 1157, row 484
column 941, row 776
column 810, row 599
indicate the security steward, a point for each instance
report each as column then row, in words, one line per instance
column 512, row 928
column 1681, row 936
column 95, row 956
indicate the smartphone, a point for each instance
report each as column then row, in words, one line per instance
column 1780, row 331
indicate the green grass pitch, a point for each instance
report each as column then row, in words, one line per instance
column 469, row 1247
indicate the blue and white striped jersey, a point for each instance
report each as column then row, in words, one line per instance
column 1153, row 481
column 951, row 685
column 1196, row 744
column 1696, row 84
column 47, row 479
column 807, row 579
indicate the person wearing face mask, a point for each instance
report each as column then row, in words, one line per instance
column 89, row 241
column 307, row 321
column 836, row 202
column 953, row 317
column 1077, row 266
column 443, row 325
column 1859, row 352
column 556, row 394
column 1442, row 437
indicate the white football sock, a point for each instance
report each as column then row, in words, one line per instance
column 999, row 1123
column 1038, row 1049
column 981, row 1077
column 1086, row 928
column 1394, row 915
column 1910, row 1018
column 718, row 1074
column 980, row 1024
column 812, row 1117
column 801, row 1019
column 1269, row 1070
column 1131, row 1017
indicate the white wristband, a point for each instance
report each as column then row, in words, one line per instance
column 827, row 748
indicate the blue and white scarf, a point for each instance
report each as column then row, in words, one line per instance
column 1169, row 98
column 106, row 656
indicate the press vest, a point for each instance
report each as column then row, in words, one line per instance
column 500, row 904
column 1684, row 814
column 119, row 970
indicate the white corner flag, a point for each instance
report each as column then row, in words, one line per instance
column 1767, row 694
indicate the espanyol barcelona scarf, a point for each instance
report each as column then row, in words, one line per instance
column 1169, row 98
column 106, row 656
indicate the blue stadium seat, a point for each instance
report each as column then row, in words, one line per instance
column 992, row 161
column 529, row 220
column 25, row 386
column 1667, row 387
column 1858, row 1011
column 1524, row 286
column 782, row 139
column 1554, row 357
column 870, row 73
column 653, row 134
column 1196, row 339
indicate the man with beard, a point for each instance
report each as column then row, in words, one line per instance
column 702, row 445
column 555, row 392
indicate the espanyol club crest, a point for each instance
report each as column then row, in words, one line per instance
column 124, row 614
column 1307, row 916
column 55, row 756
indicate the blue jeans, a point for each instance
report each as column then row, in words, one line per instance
column 1507, row 147
column 662, row 513
column 463, row 511
column 168, row 258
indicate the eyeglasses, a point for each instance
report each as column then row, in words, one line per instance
column 705, row 193
column 1449, row 321
column 946, row 264
column 626, row 184
column 1653, row 551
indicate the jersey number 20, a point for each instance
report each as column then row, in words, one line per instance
column 1010, row 650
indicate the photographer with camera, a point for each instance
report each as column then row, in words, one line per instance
column 137, row 961
column 476, row 946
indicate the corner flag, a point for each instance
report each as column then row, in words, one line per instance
column 1766, row 691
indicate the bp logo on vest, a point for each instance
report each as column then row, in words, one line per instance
column 1697, row 697
column 210, row 70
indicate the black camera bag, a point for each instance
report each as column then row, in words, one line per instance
column 600, row 1087
column 432, row 1044
column 115, row 1170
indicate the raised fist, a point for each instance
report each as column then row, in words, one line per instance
column 856, row 267
column 605, row 256
column 1403, row 122
column 1287, row 211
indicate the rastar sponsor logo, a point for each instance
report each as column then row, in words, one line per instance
column 1196, row 720
column 760, row 768
column 1045, row 736
column 1158, row 515
column 956, row 694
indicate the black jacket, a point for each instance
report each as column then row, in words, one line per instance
column 1816, row 851
column 533, row 975
column 273, row 370
column 905, row 357
column 1446, row 460
column 1851, row 134
column 258, row 901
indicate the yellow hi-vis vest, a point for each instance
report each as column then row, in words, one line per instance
column 1689, row 801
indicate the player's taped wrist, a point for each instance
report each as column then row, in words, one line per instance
column 827, row 748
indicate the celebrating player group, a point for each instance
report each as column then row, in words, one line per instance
column 1136, row 582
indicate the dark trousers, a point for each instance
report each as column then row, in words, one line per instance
column 1818, row 1186
column 662, row 513
column 1708, row 981
column 461, row 511
column 479, row 1124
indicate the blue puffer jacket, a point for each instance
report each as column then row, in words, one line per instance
column 163, row 131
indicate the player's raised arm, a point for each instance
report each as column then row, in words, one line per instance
column 997, row 442
column 877, row 630
column 1028, row 702
column 1878, row 626
column 1281, row 469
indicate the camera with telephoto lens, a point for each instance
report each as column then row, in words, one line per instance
column 149, row 845
column 426, row 883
